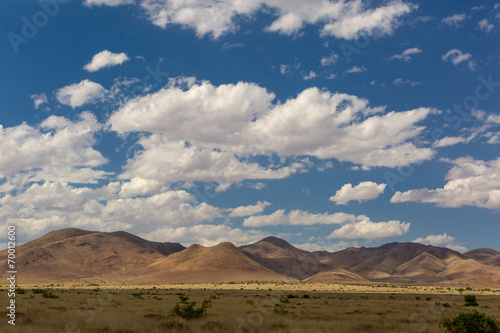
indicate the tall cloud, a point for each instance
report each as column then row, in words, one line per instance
column 242, row 119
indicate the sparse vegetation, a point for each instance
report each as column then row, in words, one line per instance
column 470, row 322
column 48, row 294
column 115, row 309
column 470, row 300
column 186, row 310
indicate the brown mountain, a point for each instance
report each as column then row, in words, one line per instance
column 337, row 275
column 223, row 262
column 73, row 253
column 280, row 256
column 487, row 256
column 413, row 263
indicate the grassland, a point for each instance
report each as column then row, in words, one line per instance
column 239, row 307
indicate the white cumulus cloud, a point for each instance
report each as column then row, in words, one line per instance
column 105, row 59
column 362, row 192
column 470, row 183
column 78, row 94
column 298, row 217
column 369, row 230
column 57, row 149
column 341, row 19
column 242, row 119
column 441, row 240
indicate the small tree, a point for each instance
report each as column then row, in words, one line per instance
column 186, row 310
column 470, row 300
column 470, row 322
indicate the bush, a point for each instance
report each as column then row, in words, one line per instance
column 48, row 294
column 186, row 310
column 280, row 309
column 470, row 322
column 284, row 299
column 470, row 300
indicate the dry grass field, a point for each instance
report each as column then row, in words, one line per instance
column 245, row 307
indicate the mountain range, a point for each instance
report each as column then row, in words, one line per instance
column 70, row 254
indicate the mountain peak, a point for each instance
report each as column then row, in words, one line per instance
column 277, row 241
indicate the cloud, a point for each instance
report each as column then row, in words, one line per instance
column 198, row 112
column 448, row 141
column 326, row 246
column 470, row 183
column 111, row 3
column 406, row 55
column 356, row 69
column 105, row 59
column 379, row 21
column 310, row 76
column 457, row 56
column 172, row 161
column 354, row 227
column 330, row 60
column 369, row 230
column 477, row 8
column 493, row 119
column 485, row 26
column 206, row 235
column 298, row 217
column 258, row 186
column 39, row 100
column 347, row 20
column 243, row 211
column 441, row 240
column 53, row 205
column 57, row 149
column 455, row 20
column 362, row 192
column 336, row 126
column 401, row 81
column 284, row 69
column 78, row 94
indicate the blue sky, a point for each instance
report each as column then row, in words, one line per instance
column 331, row 124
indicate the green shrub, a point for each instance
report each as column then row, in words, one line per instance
column 470, row 322
column 186, row 310
column 48, row 294
column 470, row 300
column 284, row 299
column 280, row 309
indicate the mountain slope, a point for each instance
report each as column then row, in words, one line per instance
column 71, row 253
column 487, row 256
column 280, row 256
column 223, row 262
column 74, row 253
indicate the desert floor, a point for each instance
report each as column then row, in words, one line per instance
column 239, row 307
